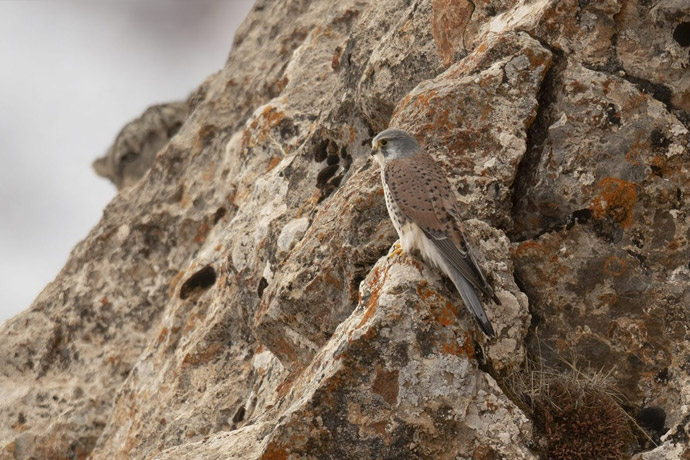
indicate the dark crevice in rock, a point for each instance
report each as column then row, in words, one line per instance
column 262, row 285
column 661, row 93
column 239, row 415
column 653, row 418
column 199, row 281
column 219, row 214
column 537, row 134
column 338, row 161
column 580, row 216
column 681, row 34
column 614, row 67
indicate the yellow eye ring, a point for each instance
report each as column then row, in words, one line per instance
column 383, row 142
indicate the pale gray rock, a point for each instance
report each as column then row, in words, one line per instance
column 241, row 301
column 137, row 144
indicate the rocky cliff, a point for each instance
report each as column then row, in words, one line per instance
column 240, row 300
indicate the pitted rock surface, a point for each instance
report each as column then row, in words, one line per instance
column 240, row 300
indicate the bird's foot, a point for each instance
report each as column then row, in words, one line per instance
column 397, row 250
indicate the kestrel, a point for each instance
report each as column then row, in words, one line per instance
column 424, row 211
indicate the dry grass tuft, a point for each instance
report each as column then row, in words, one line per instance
column 576, row 413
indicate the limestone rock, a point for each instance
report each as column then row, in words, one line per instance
column 397, row 379
column 136, row 146
column 475, row 117
column 240, row 300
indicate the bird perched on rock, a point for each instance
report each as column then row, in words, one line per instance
column 424, row 212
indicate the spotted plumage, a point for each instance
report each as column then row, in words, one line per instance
column 424, row 212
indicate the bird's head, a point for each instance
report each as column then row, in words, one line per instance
column 393, row 143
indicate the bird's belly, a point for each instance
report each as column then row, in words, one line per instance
column 413, row 238
column 411, row 235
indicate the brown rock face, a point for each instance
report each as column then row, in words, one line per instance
column 137, row 144
column 240, row 300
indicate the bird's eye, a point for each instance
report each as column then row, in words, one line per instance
column 383, row 142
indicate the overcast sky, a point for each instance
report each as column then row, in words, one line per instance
column 72, row 73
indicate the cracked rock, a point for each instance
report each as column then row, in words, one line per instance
column 240, row 300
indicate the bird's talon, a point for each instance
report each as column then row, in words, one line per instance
column 397, row 250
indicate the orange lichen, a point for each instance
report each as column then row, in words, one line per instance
column 163, row 334
column 448, row 25
column 528, row 248
column 386, row 385
column 273, row 163
column 201, row 233
column 202, row 356
column 328, row 278
column 285, row 348
column 373, row 299
column 20, row 427
column 274, row 452
column 614, row 266
column 491, row 406
column 447, row 313
column 659, row 162
column 287, row 384
column 452, row 349
column 456, row 349
column 191, row 322
column 173, row 284
column 538, row 59
column 608, row 298
column 335, row 59
column 561, row 345
column 421, row 102
column 633, row 153
column 616, row 199
column 576, row 87
column 272, row 116
column 204, row 136
column 379, row 427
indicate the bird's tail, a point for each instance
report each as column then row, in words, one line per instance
column 469, row 296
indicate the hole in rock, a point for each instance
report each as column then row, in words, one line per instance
column 662, row 376
column 653, row 418
column 172, row 130
column 580, row 216
column 325, row 174
column 219, row 214
column 262, row 285
column 239, row 415
column 321, row 151
column 658, row 139
column 681, row 34
column 203, row 279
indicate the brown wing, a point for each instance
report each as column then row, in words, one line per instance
column 423, row 194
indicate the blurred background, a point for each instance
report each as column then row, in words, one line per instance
column 72, row 73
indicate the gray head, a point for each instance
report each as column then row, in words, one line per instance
column 393, row 143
